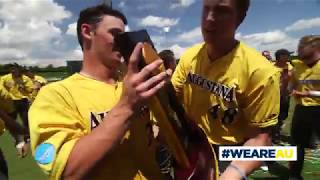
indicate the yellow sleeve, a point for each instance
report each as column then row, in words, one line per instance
column 179, row 76
column 4, row 93
column 6, row 103
column 54, row 129
column 28, row 84
column 263, row 100
column 4, row 82
column 184, row 66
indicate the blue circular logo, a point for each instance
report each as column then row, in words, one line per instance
column 45, row 153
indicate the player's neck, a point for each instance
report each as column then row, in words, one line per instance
column 94, row 69
column 218, row 50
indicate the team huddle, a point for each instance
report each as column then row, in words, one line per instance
column 96, row 124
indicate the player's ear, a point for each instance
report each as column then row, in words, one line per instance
column 87, row 31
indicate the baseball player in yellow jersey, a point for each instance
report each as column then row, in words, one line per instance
column 20, row 87
column 282, row 62
column 6, row 106
column 89, row 126
column 306, row 90
column 38, row 82
column 228, row 88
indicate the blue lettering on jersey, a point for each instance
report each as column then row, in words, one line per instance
column 45, row 153
column 218, row 89
column 97, row 118
column 309, row 81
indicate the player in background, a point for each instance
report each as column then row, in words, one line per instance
column 306, row 91
column 7, row 123
column 38, row 82
column 283, row 63
column 19, row 88
column 169, row 60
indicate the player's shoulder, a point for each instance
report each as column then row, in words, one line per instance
column 61, row 86
column 192, row 52
column 254, row 59
column 290, row 66
column 250, row 54
column 26, row 78
column 6, row 76
column 296, row 62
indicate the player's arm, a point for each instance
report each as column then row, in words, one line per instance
column 11, row 125
column 261, row 110
column 138, row 86
column 292, row 87
column 3, row 83
column 259, row 137
column 28, row 86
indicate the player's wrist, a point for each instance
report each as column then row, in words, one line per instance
column 233, row 172
column 125, row 108
column 20, row 145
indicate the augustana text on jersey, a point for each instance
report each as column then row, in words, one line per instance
column 218, row 89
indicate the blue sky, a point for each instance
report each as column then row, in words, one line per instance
column 42, row 32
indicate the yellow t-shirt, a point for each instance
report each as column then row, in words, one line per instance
column 230, row 95
column 38, row 82
column 306, row 79
column 65, row 111
column 286, row 73
column 6, row 103
column 18, row 88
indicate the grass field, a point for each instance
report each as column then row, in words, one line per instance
column 26, row 169
column 311, row 165
column 19, row 169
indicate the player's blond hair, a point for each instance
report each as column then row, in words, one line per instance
column 310, row 40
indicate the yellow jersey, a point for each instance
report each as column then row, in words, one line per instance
column 65, row 111
column 304, row 79
column 6, row 105
column 286, row 73
column 38, row 82
column 18, row 88
column 228, row 96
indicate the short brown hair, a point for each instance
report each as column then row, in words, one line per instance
column 94, row 15
column 167, row 56
column 243, row 6
column 309, row 40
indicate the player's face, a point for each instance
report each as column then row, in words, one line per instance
column 219, row 20
column 308, row 54
column 103, row 41
column 284, row 58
